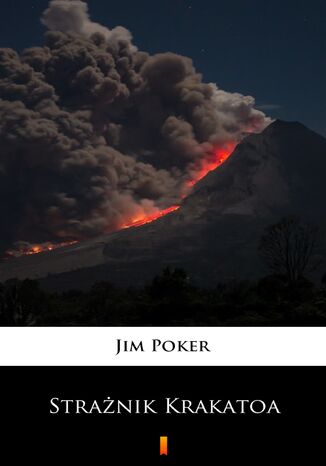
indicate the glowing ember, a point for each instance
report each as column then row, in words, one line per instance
column 144, row 219
column 26, row 249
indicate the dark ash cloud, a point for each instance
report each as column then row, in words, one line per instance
column 94, row 133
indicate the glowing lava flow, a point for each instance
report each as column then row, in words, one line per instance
column 218, row 157
column 31, row 249
column 143, row 220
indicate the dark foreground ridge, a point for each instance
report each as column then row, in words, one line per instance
column 171, row 299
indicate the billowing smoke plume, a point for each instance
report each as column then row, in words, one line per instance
column 94, row 133
column 72, row 17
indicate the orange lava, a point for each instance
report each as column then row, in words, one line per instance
column 144, row 219
column 220, row 155
column 31, row 249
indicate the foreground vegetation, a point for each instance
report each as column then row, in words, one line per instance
column 171, row 299
column 283, row 298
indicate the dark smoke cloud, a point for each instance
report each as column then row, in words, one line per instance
column 94, row 133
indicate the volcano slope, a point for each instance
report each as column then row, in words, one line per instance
column 215, row 233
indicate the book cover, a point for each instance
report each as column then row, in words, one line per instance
column 162, row 240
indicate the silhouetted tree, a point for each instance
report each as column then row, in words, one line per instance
column 288, row 248
column 19, row 302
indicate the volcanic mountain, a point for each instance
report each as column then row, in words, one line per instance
column 215, row 233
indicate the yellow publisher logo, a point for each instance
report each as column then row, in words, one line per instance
column 163, row 446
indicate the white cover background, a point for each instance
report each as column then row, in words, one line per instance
column 97, row 346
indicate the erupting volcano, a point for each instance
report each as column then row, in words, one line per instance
column 219, row 156
column 213, row 233
column 112, row 136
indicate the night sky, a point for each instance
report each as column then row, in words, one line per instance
column 274, row 51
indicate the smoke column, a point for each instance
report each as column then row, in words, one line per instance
column 96, row 135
